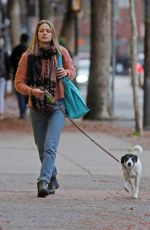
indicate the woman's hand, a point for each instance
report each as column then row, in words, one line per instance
column 61, row 72
column 38, row 93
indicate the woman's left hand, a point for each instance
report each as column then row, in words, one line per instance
column 61, row 72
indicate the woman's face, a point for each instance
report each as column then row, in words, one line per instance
column 44, row 34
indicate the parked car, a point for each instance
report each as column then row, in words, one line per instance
column 140, row 73
column 83, row 71
column 140, row 69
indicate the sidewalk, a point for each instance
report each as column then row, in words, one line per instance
column 91, row 194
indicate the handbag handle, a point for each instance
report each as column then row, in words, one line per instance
column 60, row 65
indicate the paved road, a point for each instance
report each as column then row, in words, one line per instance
column 123, row 97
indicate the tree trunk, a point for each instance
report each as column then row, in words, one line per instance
column 67, row 31
column 146, row 115
column 138, row 120
column 15, row 23
column 44, row 9
column 98, row 85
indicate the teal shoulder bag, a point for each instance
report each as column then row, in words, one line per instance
column 74, row 103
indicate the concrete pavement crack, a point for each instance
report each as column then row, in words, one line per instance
column 75, row 163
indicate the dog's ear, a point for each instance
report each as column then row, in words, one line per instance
column 122, row 159
column 135, row 158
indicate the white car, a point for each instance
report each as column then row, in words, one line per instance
column 83, row 71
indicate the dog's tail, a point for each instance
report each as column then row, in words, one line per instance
column 137, row 149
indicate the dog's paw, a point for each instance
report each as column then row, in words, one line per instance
column 126, row 189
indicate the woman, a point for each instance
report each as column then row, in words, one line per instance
column 37, row 71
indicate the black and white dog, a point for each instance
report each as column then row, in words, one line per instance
column 132, row 169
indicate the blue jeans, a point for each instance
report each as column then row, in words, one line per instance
column 22, row 104
column 47, row 128
column 2, row 94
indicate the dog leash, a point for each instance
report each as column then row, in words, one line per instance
column 51, row 99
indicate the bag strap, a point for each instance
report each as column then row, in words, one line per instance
column 60, row 65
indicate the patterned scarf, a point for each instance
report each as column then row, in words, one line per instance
column 42, row 74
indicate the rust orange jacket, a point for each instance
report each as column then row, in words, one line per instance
column 21, row 75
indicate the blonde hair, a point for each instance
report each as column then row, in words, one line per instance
column 34, row 41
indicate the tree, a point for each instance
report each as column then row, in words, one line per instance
column 133, row 45
column 67, row 31
column 44, row 9
column 146, row 115
column 15, row 22
column 98, row 85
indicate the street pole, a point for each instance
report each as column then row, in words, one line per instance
column 76, row 7
column 76, row 33
column 146, row 115
column 113, row 53
column 76, row 48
